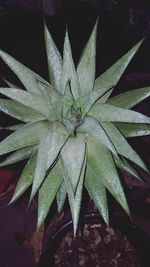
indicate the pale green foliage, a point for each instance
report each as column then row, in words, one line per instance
column 73, row 131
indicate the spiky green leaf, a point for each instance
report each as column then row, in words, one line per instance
column 86, row 66
column 101, row 161
column 47, row 193
column 87, row 101
column 73, row 154
column 122, row 146
column 124, row 165
column 26, row 136
column 131, row 98
column 49, row 148
column 9, row 83
column 111, row 76
column 133, row 130
column 27, row 77
column 103, row 99
column 19, row 111
column 52, row 99
column 75, row 199
column 25, row 179
column 54, row 60
column 67, row 102
column 61, row 196
column 92, row 126
column 110, row 113
column 97, row 192
column 35, row 101
column 21, row 154
column 14, row 127
column 69, row 72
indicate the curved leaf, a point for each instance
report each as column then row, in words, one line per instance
column 21, row 154
column 101, row 162
column 110, row 113
column 86, row 66
column 19, row 111
column 131, row 98
column 26, row 136
column 97, row 192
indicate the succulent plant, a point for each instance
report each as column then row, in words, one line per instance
column 73, row 132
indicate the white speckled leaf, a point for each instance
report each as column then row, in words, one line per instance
column 26, row 136
column 86, row 66
column 97, row 192
column 54, row 60
column 101, row 161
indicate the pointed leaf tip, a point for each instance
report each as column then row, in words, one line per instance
column 87, row 66
column 113, row 74
column 69, row 71
column 48, row 192
column 54, row 60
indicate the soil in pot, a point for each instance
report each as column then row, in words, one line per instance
column 96, row 246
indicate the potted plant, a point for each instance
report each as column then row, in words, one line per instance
column 73, row 132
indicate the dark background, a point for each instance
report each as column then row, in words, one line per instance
column 121, row 25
